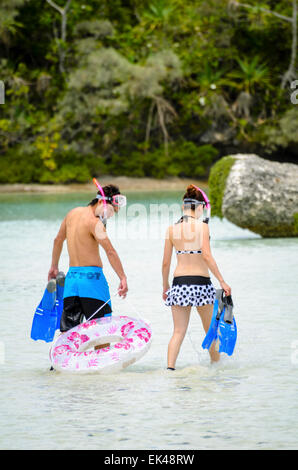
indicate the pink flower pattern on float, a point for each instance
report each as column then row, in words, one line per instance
column 59, row 350
column 66, row 355
column 113, row 329
column 88, row 324
column 84, row 338
column 125, row 329
column 143, row 333
column 126, row 344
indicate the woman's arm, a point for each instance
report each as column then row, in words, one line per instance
column 166, row 262
column 210, row 261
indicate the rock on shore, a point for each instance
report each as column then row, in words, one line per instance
column 256, row 194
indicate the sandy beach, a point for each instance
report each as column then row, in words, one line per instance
column 125, row 183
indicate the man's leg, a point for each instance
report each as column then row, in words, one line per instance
column 72, row 313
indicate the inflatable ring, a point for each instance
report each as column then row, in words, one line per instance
column 73, row 351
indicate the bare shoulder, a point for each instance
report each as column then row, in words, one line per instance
column 96, row 227
column 205, row 228
column 206, row 233
column 73, row 212
column 169, row 232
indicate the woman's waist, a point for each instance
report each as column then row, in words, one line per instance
column 187, row 270
column 189, row 280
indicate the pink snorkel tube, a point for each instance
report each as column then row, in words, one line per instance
column 104, row 220
column 208, row 205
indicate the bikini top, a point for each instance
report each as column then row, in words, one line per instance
column 187, row 252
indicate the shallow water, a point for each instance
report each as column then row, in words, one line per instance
column 248, row 401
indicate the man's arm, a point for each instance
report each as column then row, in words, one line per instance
column 100, row 235
column 57, row 249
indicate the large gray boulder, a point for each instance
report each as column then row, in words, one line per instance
column 256, row 194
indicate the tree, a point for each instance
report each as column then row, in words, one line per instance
column 63, row 33
column 8, row 23
column 290, row 74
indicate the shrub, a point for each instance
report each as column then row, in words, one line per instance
column 217, row 183
column 184, row 159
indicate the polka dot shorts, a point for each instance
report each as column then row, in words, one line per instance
column 188, row 290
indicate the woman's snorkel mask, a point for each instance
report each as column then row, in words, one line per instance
column 207, row 206
column 118, row 200
column 206, row 203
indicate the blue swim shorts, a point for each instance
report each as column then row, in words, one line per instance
column 85, row 291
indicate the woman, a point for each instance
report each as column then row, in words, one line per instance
column 191, row 284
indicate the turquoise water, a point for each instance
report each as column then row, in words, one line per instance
column 248, row 401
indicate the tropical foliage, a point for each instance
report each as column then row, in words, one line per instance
column 143, row 87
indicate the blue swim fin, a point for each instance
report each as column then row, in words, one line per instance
column 227, row 328
column 213, row 328
column 60, row 280
column 45, row 317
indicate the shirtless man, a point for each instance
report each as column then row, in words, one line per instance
column 86, row 288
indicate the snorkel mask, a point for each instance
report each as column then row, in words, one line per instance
column 103, row 217
column 195, row 202
column 206, row 202
column 118, row 200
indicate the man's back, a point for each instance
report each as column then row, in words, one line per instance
column 81, row 244
column 86, row 291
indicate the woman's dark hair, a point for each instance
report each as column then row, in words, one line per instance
column 109, row 191
column 193, row 193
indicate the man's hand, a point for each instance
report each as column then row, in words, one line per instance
column 123, row 289
column 52, row 273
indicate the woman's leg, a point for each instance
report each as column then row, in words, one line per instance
column 205, row 313
column 181, row 319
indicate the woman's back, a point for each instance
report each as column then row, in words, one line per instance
column 191, row 286
column 187, row 239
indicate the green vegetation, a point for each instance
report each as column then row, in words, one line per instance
column 274, row 231
column 295, row 231
column 143, row 87
column 217, row 183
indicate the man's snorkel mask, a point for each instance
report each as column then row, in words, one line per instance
column 206, row 203
column 118, row 200
column 103, row 217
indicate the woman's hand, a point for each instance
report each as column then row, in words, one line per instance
column 164, row 293
column 226, row 288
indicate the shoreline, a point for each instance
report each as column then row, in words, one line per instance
column 125, row 183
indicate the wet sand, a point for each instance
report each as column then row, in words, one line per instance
column 125, row 183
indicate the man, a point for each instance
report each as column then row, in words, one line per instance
column 86, row 288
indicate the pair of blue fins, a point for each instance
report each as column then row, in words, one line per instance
column 223, row 328
column 47, row 316
column 46, row 320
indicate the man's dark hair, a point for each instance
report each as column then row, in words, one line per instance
column 109, row 191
